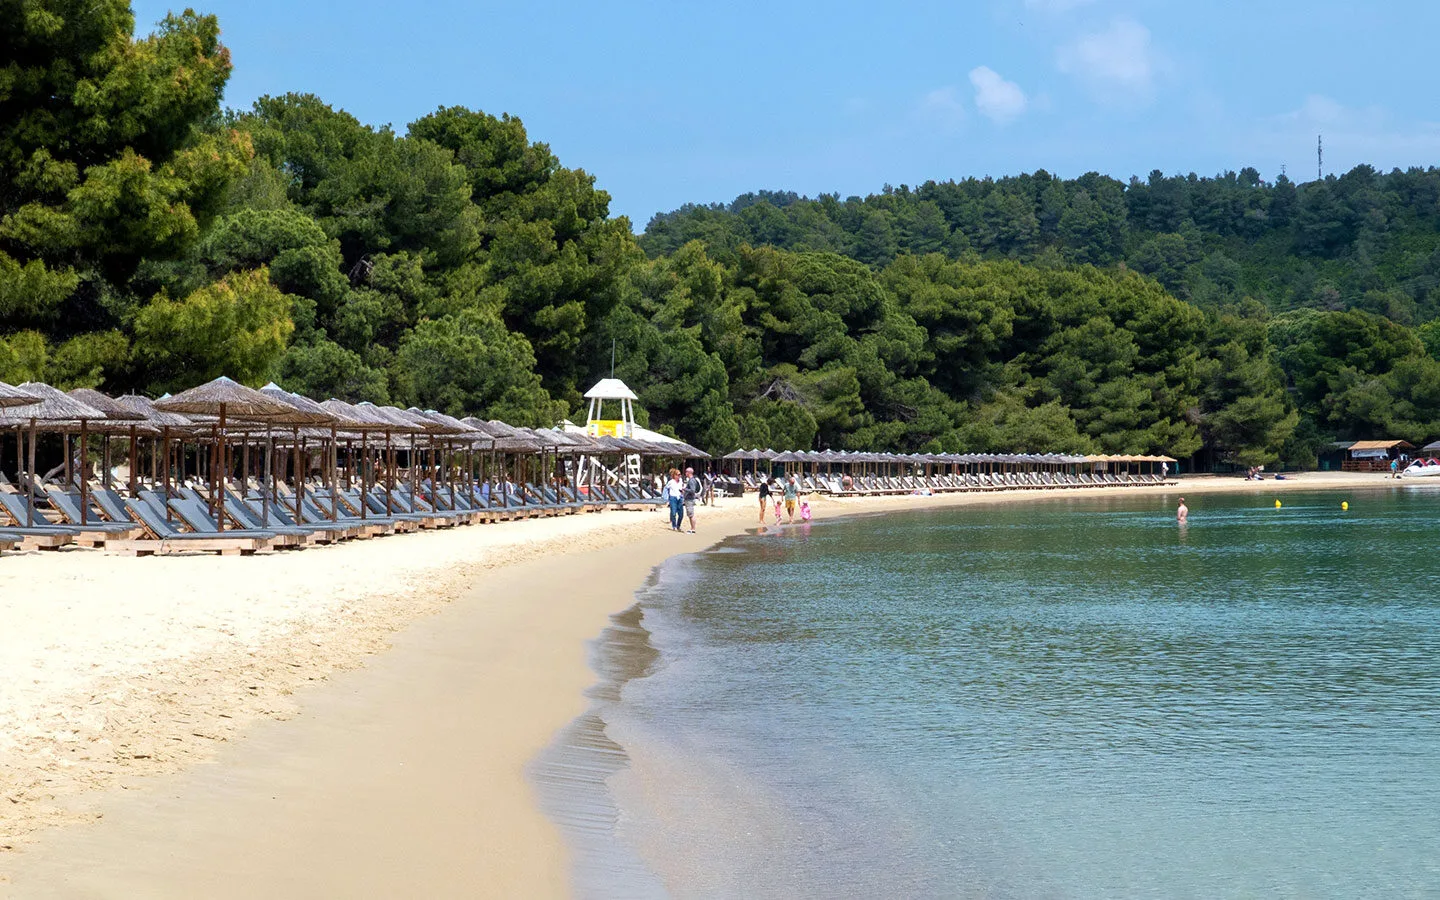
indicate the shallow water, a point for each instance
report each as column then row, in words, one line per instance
column 1075, row 698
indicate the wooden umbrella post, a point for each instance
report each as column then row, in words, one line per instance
column 300, row 472
column 30, row 481
column 220, row 472
column 364, row 458
column 133, row 459
column 334, row 475
column 269, row 481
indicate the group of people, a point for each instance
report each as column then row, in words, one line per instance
column 788, row 491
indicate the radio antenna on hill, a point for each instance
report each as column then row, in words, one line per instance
column 1320, row 157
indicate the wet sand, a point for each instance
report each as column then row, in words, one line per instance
column 404, row 777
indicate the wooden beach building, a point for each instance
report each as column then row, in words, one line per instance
column 1374, row 456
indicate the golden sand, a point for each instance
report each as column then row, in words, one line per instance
column 219, row 727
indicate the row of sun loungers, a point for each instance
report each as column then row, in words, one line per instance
column 184, row 518
column 877, row 485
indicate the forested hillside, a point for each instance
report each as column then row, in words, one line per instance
column 150, row 240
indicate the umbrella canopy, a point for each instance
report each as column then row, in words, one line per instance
column 53, row 406
column 403, row 421
column 13, row 396
column 353, row 418
column 222, row 395
column 304, row 411
column 113, row 410
column 145, row 408
column 509, row 438
column 442, row 423
column 563, row 442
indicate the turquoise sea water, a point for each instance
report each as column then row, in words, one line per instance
column 1071, row 698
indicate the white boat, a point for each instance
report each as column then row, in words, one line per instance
column 1422, row 468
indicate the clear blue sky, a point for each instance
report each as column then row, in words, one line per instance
column 675, row 102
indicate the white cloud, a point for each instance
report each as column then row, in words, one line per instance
column 997, row 99
column 1117, row 64
column 944, row 107
column 1320, row 110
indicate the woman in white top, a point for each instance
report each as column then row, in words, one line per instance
column 674, row 493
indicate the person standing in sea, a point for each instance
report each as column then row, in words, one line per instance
column 692, row 490
column 792, row 494
column 764, row 497
column 1182, row 513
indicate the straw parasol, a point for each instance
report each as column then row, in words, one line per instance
column 362, row 421
column 162, row 422
column 413, row 423
column 227, row 400
column 122, row 417
column 304, row 411
column 13, row 396
column 53, row 406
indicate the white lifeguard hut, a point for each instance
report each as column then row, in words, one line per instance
column 610, row 390
column 608, row 397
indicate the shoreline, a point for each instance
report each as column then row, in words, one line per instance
column 498, row 840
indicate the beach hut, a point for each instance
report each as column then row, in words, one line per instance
column 1374, row 456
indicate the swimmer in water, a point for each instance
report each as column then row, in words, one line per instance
column 1183, row 512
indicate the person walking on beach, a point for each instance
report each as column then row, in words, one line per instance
column 673, row 493
column 692, row 489
column 792, row 494
column 764, row 498
column 1394, row 468
column 1182, row 513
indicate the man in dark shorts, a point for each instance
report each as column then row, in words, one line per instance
column 693, row 487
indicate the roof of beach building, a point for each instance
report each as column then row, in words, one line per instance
column 1386, row 444
column 610, row 389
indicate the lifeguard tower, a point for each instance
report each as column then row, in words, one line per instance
column 610, row 390
column 607, row 397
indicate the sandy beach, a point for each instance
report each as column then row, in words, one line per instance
column 346, row 721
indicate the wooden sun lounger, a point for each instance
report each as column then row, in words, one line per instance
column 166, row 538
column 361, row 529
column 94, row 531
column 41, row 536
column 91, row 535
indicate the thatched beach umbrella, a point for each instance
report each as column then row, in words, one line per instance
column 12, row 396
column 341, row 411
column 304, row 411
column 363, row 422
column 227, row 400
column 54, row 406
column 162, row 421
column 413, row 423
column 114, row 412
column 453, row 433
